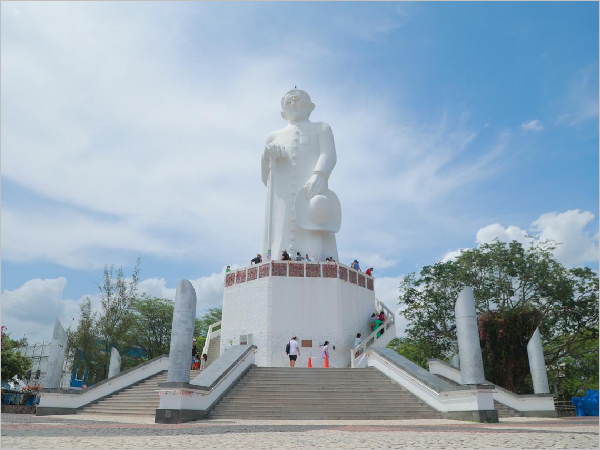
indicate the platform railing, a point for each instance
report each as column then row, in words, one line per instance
column 358, row 353
column 209, row 333
column 299, row 269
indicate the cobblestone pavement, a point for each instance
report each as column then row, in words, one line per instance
column 95, row 431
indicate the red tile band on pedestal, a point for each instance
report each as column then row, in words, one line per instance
column 252, row 273
column 279, row 269
column 240, row 276
column 313, row 270
column 330, row 270
column 264, row 270
column 352, row 277
column 296, row 270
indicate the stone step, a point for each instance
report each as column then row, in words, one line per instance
column 133, row 412
column 325, row 416
column 321, row 404
column 135, row 395
column 315, row 394
column 320, row 407
column 121, row 407
column 118, row 402
column 317, row 388
column 315, row 401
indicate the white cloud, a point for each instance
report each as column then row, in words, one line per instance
column 509, row 234
column 532, row 125
column 577, row 246
column 32, row 308
column 367, row 260
column 142, row 152
column 452, row 255
column 569, row 229
column 581, row 98
column 387, row 292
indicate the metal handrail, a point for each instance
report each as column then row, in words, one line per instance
column 209, row 333
column 390, row 320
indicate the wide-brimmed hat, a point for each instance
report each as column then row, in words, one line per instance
column 322, row 212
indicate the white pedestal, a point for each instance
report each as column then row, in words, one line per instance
column 274, row 308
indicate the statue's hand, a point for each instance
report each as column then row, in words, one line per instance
column 278, row 151
column 315, row 185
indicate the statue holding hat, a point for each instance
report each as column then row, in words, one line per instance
column 302, row 213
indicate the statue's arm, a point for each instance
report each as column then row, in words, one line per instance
column 328, row 157
column 264, row 163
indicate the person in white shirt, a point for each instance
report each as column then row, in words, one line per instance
column 294, row 351
column 358, row 340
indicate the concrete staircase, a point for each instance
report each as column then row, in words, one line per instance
column 141, row 399
column 503, row 410
column 214, row 349
column 300, row 393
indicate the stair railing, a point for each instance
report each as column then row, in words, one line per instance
column 209, row 333
column 358, row 352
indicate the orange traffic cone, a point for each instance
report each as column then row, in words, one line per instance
column 326, row 362
column 309, row 362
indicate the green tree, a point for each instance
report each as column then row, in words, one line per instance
column 416, row 350
column 84, row 345
column 151, row 325
column 114, row 323
column 505, row 277
column 13, row 363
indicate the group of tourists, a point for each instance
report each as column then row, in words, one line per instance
column 198, row 363
column 293, row 350
column 285, row 256
column 377, row 319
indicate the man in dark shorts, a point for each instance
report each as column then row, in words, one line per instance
column 294, row 351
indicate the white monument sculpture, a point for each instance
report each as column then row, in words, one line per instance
column 114, row 366
column 537, row 364
column 302, row 214
column 316, row 301
column 56, row 358
column 182, row 333
column 469, row 350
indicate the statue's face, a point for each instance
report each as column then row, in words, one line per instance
column 297, row 106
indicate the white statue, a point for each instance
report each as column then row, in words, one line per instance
column 302, row 214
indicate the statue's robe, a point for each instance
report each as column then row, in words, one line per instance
column 309, row 147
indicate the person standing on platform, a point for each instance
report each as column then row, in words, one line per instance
column 369, row 271
column 194, row 351
column 294, row 351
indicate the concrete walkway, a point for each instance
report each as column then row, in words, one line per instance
column 95, row 431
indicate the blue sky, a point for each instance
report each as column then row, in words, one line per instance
column 137, row 128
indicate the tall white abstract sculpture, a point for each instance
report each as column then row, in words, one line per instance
column 114, row 367
column 182, row 334
column 469, row 351
column 302, row 214
column 56, row 358
column 455, row 361
column 537, row 364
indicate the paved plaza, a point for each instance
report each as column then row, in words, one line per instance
column 94, row 431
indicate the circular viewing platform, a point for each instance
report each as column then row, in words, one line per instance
column 299, row 269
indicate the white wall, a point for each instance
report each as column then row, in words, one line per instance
column 460, row 400
column 273, row 309
column 71, row 400
column 510, row 399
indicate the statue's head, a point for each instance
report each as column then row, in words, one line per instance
column 296, row 105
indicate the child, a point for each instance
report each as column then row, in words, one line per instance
column 325, row 351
